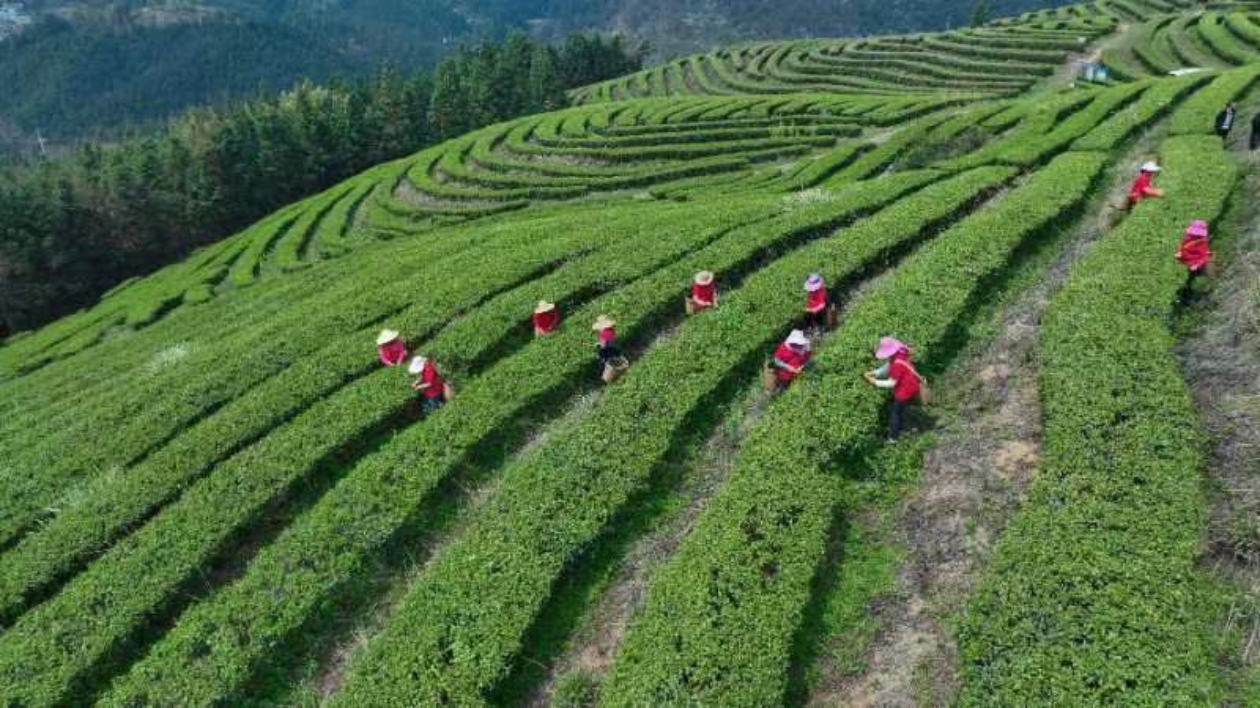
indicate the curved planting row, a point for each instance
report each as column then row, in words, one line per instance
column 636, row 145
column 151, row 410
column 1169, row 42
column 319, row 227
column 77, row 532
column 987, row 61
column 52, row 648
column 1092, row 596
column 442, row 645
column 719, row 620
column 384, row 489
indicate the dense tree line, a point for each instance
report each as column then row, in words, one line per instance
column 72, row 228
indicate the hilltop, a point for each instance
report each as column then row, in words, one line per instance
column 75, row 68
column 213, row 492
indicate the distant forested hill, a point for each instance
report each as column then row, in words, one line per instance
column 80, row 67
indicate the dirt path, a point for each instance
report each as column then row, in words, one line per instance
column 1222, row 366
column 595, row 644
column 1068, row 72
column 986, row 453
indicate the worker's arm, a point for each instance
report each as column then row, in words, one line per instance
column 784, row 365
column 420, row 385
column 1153, row 192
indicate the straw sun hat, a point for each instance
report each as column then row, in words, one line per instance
column 544, row 306
column 603, row 322
column 704, row 277
column 1150, row 166
column 417, row 365
column 386, row 336
column 813, row 283
column 798, row 339
column 1198, row 227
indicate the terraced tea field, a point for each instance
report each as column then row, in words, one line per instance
column 212, row 493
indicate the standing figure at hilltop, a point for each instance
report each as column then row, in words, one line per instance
column 1225, row 120
column 899, row 375
column 1194, row 251
column 428, row 383
column 390, row 348
column 817, row 304
column 1142, row 188
column 703, row 293
column 790, row 359
column 612, row 363
column 546, row 318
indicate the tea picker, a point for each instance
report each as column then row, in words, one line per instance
column 546, row 318
column 790, row 359
column 429, row 385
column 703, row 293
column 612, row 363
column 390, row 348
column 900, row 376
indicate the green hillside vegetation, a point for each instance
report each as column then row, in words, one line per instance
column 212, row 493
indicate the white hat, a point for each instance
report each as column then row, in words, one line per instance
column 704, row 277
column 798, row 339
column 1150, row 166
column 417, row 365
column 544, row 306
column 386, row 336
column 814, row 283
column 603, row 322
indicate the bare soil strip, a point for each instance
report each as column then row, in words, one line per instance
column 594, row 645
column 988, row 445
column 1222, row 366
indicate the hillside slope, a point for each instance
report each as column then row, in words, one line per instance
column 212, row 492
column 85, row 66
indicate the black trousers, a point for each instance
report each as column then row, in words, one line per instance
column 896, row 419
column 428, row 405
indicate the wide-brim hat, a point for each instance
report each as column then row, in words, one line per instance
column 888, row 346
column 417, row 365
column 386, row 336
column 603, row 322
column 798, row 339
column 704, row 277
column 813, row 283
column 1198, row 227
column 1150, row 166
column 544, row 306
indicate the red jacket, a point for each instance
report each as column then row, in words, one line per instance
column 392, row 353
column 1194, row 252
column 902, row 371
column 703, row 295
column 437, row 387
column 546, row 322
column 1141, row 188
column 792, row 358
column 816, row 301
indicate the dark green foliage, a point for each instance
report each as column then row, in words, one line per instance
column 72, row 228
column 1092, row 597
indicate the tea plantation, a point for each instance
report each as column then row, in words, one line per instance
column 213, row 493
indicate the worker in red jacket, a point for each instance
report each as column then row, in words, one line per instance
column 791, row 357
column 703, row 292
column 428, row 384
column 546, row 318
column 390, row 348
column 1194, row 251
column 816, row 302
column 899, row 375
column 1141, row 187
